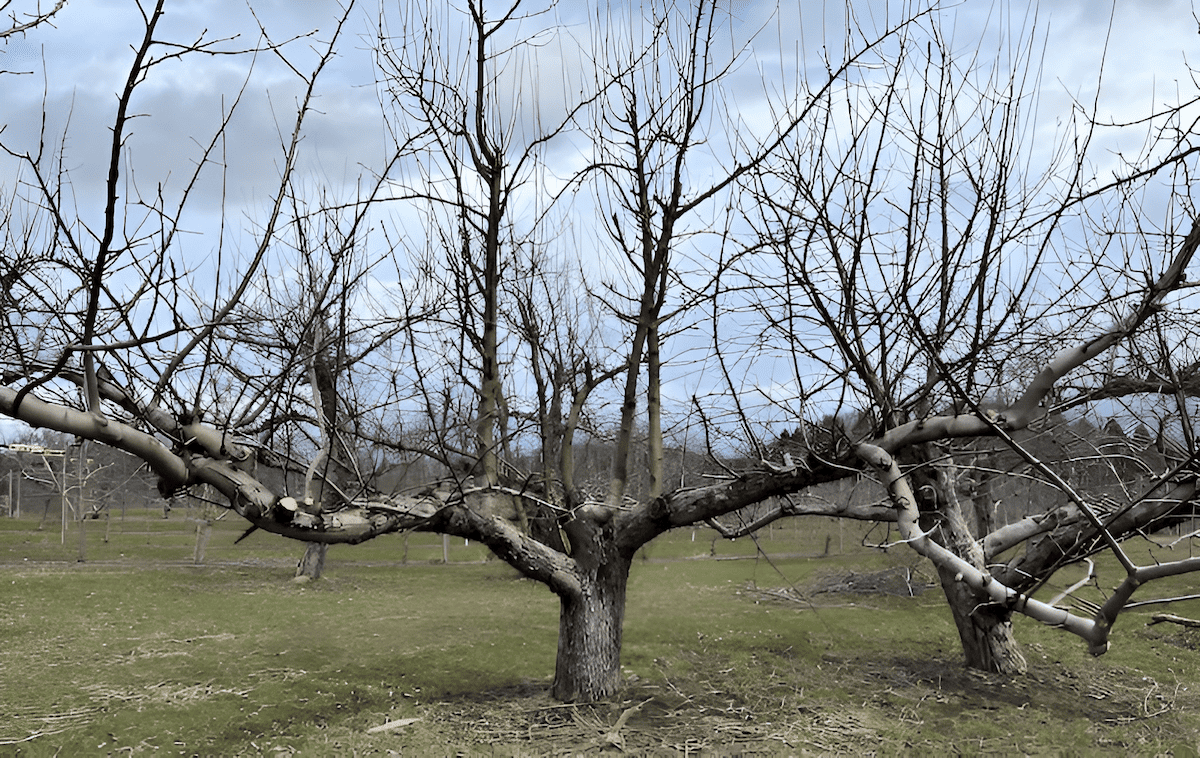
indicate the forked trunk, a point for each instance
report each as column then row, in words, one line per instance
column 588, row 667
column 984, row 629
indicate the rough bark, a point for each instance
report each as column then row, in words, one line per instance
column 588, row 666
column 312, row 563
column 984, row 629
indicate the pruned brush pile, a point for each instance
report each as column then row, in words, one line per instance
column 895, row 581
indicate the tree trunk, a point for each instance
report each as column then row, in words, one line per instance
column 588, row 667
column 82, row 556
column 46, row 514
column 984, row 628
column 982, row 501
column 313, row 562
column 203, row 532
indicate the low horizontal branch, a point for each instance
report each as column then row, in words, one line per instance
column 60, row 418
column 807, row 507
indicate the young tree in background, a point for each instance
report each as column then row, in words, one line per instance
column 310, row 332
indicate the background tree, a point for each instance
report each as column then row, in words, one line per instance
column 312, row 332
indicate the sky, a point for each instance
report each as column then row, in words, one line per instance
column 77, row 65
column 87, row 52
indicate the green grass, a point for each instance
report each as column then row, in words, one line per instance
column 141, row 535
column 129, row 655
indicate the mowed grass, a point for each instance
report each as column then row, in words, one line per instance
column 128, row 655
column 143, row 535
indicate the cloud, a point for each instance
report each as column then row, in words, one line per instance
column 88, row 52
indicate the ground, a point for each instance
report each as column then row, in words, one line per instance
column 907, row 706
column 724, row 654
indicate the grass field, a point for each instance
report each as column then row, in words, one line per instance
column 143, row 535
column 137, row 651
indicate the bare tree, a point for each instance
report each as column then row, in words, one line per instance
column 311, row 332
column 183, row 371
column 915, row 283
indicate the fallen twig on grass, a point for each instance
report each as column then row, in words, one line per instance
column 1158, row 618
column 614, row 736
column 31, row 737
column 393, row 725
